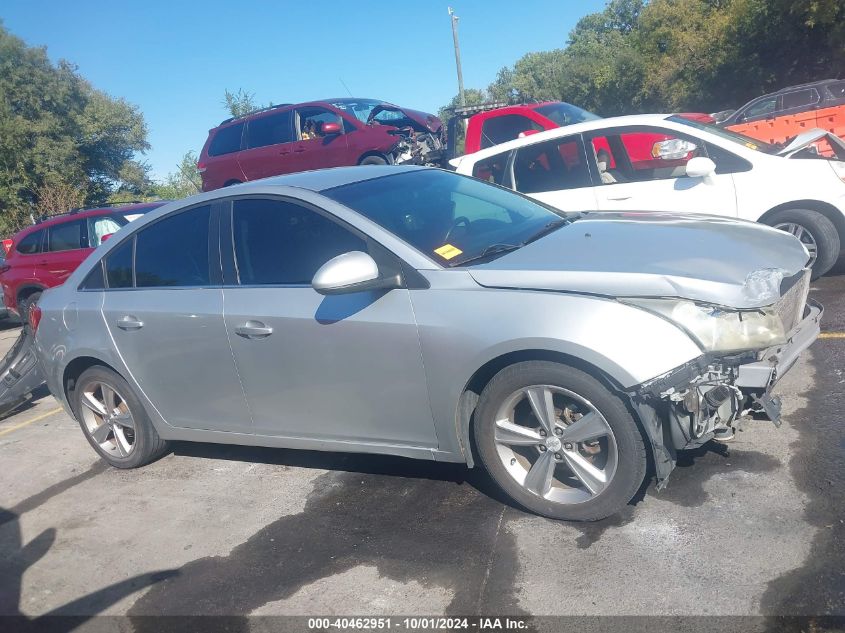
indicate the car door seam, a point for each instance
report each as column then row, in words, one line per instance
column 235, row 363
column 425, row 373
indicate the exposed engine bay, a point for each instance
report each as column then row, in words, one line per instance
column 421, row 136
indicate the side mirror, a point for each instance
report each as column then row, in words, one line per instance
column 700, row 167
column 352, row 272
column 330, row 128
column 525, row 133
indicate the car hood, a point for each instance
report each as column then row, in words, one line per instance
column 427, row 122
column 702, row 258
column 805, row 139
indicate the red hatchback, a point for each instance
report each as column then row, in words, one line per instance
column 336, row 132
column 45, row 254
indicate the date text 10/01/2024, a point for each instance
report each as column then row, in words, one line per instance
column 417, row 623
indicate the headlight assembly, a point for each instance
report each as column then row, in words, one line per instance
column 719, row 329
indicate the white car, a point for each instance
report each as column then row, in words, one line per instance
column 670, row 163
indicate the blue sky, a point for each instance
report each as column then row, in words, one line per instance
column 175, row 59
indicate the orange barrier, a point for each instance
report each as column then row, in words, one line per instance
column 778, row 129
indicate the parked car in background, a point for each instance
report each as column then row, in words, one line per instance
column 696, row 168
column 288, row 138
column 489, row 126
column 779, row 116
column 45, row 254
column 428, row 307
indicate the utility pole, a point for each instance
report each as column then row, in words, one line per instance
column 454, row 19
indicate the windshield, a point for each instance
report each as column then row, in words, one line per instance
column 565, row 113
column 745, row 141
column 361, row 108
column 450, row 218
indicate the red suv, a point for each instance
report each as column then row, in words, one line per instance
column 45, row 254
column 288, row 138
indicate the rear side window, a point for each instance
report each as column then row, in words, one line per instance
column 270, row 130
column 226, row 140
column 493, row 169
column 506, row 128
column 278, row 242
column 94, row 279
column 800, row 98
column 119, row 266
column 65, row 237
column 551, row 166
column 31, row 244
column 174, row 251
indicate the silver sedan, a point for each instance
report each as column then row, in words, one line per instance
column 417, row 312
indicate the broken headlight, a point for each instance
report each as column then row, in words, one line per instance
column 719, row 329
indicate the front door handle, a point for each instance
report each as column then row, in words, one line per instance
column 618, row 198
column 253, row 330
column 129, row 322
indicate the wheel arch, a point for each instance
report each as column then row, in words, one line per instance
column 385, row 155
column 74, row 369
column 471, row 392
column 825, row 208
column 27, row 290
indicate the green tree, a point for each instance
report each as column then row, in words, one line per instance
column 239, row 103
column 58, row 134
column 185, row 181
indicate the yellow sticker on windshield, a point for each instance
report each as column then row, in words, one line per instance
column 751, row 145
column 447, row 251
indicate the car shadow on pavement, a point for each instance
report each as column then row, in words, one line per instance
column 18, row 557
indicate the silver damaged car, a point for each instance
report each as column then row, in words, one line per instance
column 417, row 312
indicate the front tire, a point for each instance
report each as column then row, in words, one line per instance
column 113, row 419
column 373, row 160
column 558, row 442
column 816, row 232
column 25, row 305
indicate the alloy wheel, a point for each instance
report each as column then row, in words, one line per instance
column 108, row 419
column 555, row 444
column 802, row 234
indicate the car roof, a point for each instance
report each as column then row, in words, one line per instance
column 319, row 180
column 87, row 213
column 566, row 130
column 811, row 84
column 317, row 102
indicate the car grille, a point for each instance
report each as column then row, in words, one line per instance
column 790, row 307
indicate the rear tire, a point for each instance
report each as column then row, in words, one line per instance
column 596, row 469
column 116, row 425
column 373, row 160
column 815, row 231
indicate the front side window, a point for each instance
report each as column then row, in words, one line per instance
column 493, row 169
column 174, row 251
column 626, row 155
column 270, row 130
column 448, row 217
column 761, row 108
column 551, row 166
column 282, row 243
column 65, row 237
column 311, row 121
column 837, row 89
column 31, row 244
column 507, row 127
column 226, row 140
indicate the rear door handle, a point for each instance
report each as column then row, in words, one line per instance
column 253, row 330
column 129, row 322
column 618, row 198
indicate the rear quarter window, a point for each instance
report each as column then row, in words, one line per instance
column 226, row 140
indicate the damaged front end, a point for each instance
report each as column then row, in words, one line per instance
column 708, row 397
column 421, row 139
